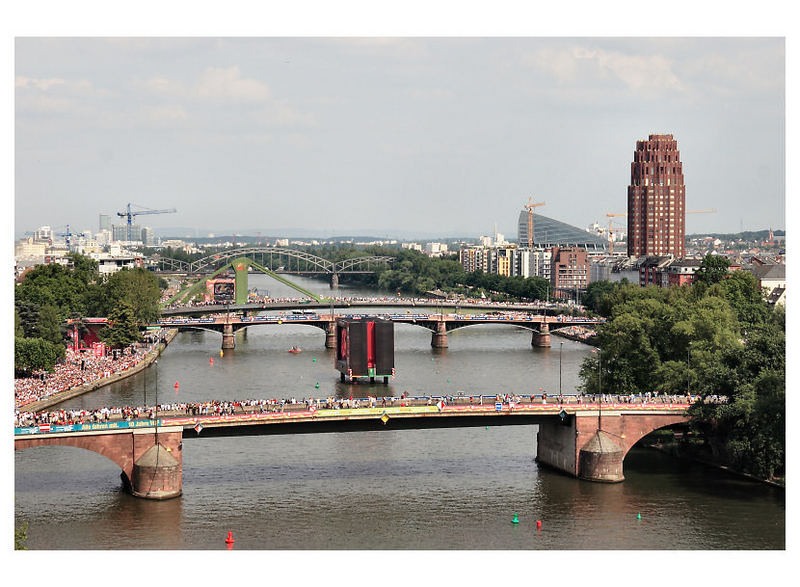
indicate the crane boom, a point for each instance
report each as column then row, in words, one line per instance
column 529, row 207
column 129, row 214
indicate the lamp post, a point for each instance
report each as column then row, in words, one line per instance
column 560, row 352
column 599, row 387
column 156, row 364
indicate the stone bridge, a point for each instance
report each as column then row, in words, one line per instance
column 438, row 324
column 588, row 441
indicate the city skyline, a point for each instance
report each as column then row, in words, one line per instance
column 442, row 136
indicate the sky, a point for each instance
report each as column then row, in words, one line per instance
column 377, row 135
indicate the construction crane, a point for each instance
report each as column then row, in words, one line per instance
column 68, row 235
column 129, row 215
column 529, row 207
column 610, row 229
column 612, row 216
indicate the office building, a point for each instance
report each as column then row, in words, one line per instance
column 549, row 233
column 656, row 199
column 569, row 270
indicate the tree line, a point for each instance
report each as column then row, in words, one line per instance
column 717, row 337
column 49, row 295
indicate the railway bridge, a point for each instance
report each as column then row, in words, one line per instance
column 588, row 441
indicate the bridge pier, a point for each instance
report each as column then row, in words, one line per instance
column 541, row 339
column 228, row 340
column 335, row 281
column 150, row 469
column 439, row 336
column 330, row 335
column 578, row 447
column 156, row 475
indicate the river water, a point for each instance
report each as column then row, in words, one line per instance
column 417, row 489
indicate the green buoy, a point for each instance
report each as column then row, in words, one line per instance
column 317, row 385
column 314, row 360
column 638, row 516
column 515, row 520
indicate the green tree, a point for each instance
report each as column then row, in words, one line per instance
column 35, row 354
column 138, row 288
column 595, row 292
column 49, row 325
column 713, row 269
column 122, row 329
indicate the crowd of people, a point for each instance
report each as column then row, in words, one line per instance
column 275, row 405
column 79, row 368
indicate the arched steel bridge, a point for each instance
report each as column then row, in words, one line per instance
column 304, row 263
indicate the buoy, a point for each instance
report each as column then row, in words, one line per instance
column 317, row 385
column 211, row 361
column 538, row 524
column 515, row 520
column 221, row 353
column 638, row 516
column 314, row 360
column 229, row 539
column 176, row 386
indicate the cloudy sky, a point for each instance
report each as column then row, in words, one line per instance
column 439, row 136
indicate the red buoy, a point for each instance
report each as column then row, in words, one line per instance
column 176, row 385
column 211, row 361
column 538, row 524
column 229, row 539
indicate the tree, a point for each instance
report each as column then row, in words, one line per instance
column 713, row 269
column 36, row 354
column 122, row 329
column 49, row 325
column 138, row 288
column 595, row 292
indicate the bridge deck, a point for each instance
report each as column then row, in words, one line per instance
column 346, row 419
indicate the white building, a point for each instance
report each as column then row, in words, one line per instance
column 435, row 249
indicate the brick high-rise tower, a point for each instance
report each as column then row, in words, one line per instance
column 656, row 199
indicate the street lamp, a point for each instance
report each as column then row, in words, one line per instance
column 560, row 352
column 599, row 387
column 156, row 364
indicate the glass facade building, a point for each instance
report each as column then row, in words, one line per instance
column 549, row 233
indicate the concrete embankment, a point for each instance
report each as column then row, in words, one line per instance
column 103, row 381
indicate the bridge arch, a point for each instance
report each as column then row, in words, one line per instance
column 306, row 263
column 128, row 448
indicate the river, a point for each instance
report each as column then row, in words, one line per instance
column 417, row 489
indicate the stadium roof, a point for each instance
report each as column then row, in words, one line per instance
column 554, row 233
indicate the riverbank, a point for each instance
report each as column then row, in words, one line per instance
column 62, row 396
column 674, row 449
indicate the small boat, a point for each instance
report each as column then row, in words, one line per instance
column 295, row 349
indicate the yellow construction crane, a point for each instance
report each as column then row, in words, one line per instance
column 529, row 207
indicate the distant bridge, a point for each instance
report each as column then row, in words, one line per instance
column 438, row 324
column 242, row 261
column 277, row 259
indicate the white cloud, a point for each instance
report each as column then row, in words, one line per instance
column 165, row 113
column 580, row 65
column 214, row 84
column 38, row 84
